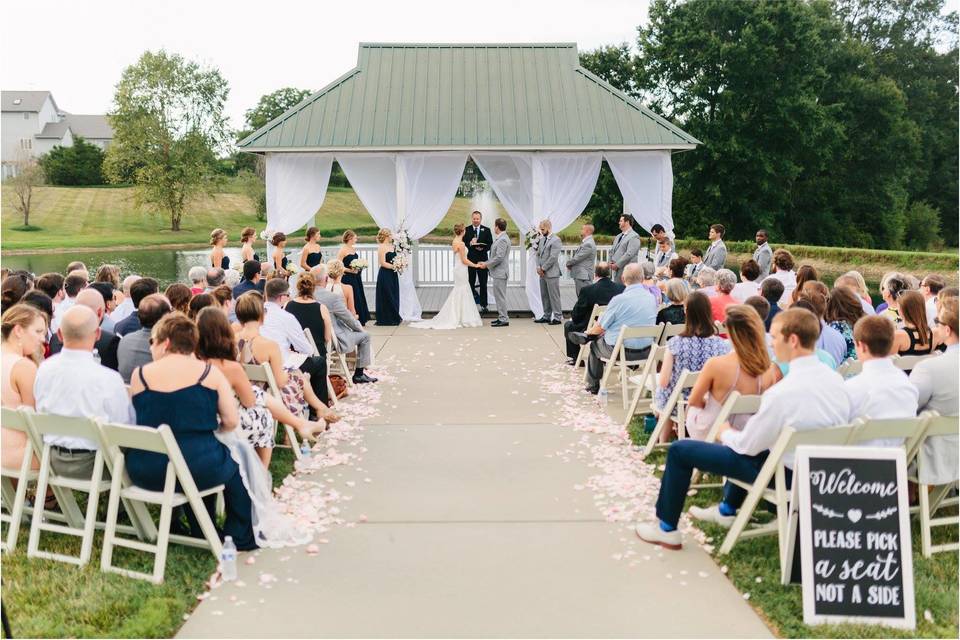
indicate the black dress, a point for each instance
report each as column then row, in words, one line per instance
column 356, row 282
column 309, row 316
column 388, row 295
column 313, row 259
column 224, row 262
column 672, row 314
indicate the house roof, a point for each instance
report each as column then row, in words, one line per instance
column 89, row 126
column 30, row 101
column 55, row 130
column 467, row 96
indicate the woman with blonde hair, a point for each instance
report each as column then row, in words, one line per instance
column 24, row 330
column 351, row 275
column 109, row 273
column 335, row 273
column 311, row 254
column 247, row 237
column 747, row 369
column 388, row 282
column 218, row 240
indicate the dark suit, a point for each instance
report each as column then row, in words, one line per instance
column 106, row 347
column 245, row 286
column 600, row 292
column 478, row 254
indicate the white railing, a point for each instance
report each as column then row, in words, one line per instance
column 433, row 264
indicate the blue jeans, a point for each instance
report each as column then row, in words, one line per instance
column 684, row 456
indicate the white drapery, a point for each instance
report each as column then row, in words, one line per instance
column 406, row 190
column 645, row 179
column 296, row 188
column 540, row 186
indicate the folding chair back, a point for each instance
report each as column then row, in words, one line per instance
column 933, row 498
column 263, row 374
column 41, row 425
column 734, row 405
column 906, row 363
column 850, row 368
column 644, row 385
column 316, row 352
column 598, row 310
column 910, row 430
column 618, row 356
column 14, row 499
column 670, row 330
column 160, row 440
column 673, row 409
column 339, row 361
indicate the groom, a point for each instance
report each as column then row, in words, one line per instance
column 478, row 240
column 499, row 269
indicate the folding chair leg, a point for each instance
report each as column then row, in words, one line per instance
column 113, row 508
column 744, row 514
column 93, row 502
column 209, row 531
column 925, row 515
column 16, row 510
column 163, row 528
column 581, row 356
column 33, row 542
column 331, row 392
column 632, row 409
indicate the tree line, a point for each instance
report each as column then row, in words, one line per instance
column 828, row 122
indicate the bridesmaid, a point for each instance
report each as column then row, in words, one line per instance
column 279, row 258
column 347, row 255
column 388, row 283
column 247, row 237
column 218, row 240
column 311, row 256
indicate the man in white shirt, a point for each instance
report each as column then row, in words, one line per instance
column 783, row 271
column 72, row 285
column 930, row 287
column 72, row 383
column 881, row 391
column 126, row 307
column 749, row 284
column 811, row 397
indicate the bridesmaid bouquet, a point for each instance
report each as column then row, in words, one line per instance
column 400, row 263
column 359, row 264
column 532, row 239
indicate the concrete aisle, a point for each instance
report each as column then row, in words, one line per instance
column 471, row 521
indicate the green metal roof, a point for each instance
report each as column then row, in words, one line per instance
column 467, row 96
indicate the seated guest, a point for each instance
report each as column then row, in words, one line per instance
column 223, row 295
column 107, row 342
column 347, row 330
column 830, row 339
column 690, row 350
column 930, row 287
column 139, row 290
column 231, row 278
column 678, row 267
column 72, row 285
column 198, row 279
column 843, row 312
column 251, row 279
column 310, row 313
column 650, row 283
column 52, row 285
column 692, row 270
column 109, row 273
column 747, row 369
column 936, row 380
column 805, row 274
column 676, row 292
column 73, row 383
column 24, row 330
column 214, row 278
column 635, row 307
column 194, row 399
column 915, row 337
column 179, row 296
column 760, row 305
column 726, row 281
column 77, row 265
column 892, row 286
column 199, row 302
column 881, row 391
column 598, row 293
column 125, row 308
column 109, row 295
column 783, row 271
column 39, row 300
column 662, row 258
column 749, row 284
column 938, row 332
column 812, row 397
column 134, row 348
column 335, row 271
column 772, row 291
column 706, row 282
column 854, row 282
column 15, row 287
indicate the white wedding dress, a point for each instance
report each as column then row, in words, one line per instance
column 459, row 309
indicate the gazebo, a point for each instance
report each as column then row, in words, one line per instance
column 402, row 123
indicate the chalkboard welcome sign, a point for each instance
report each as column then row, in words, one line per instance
column 855, row 536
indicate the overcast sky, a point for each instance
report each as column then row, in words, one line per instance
column 77, row 49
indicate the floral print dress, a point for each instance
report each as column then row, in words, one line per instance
column 689, row 354
column 291, row 393
column 847, row 332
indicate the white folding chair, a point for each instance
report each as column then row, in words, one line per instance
column 735, row 405
column 262, row 373
column 338, row 360
column 162, row 441
column 15, row 499
column 671, row 330
column 673, row 409
column 598, row 310
column 850, row 368
column 618, row 356
column 645, row 385
column 934, row 498
column 45, row 424
column 316, row 352
column 907, row 363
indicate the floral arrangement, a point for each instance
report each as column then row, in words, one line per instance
column 532, row 239
column 266, row 234
column 402, row 248
column 400, row 262
column 359, row 264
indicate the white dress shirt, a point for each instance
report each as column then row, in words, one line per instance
column 937, row 380
column 866, row 306
column 72, row 383
column 932, row 312
column 789, row 280
column 811, row 397
column 58, row 312
column 743, row 290
column 882, row 391
column 283, row 328
column 123, row 310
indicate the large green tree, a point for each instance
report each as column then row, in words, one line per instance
column 79, row 164
column 168, row 126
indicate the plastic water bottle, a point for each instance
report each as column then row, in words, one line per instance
column 603, row 397
column 305, row 449
column 228, row 560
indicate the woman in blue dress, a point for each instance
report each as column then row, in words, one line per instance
column 351, row 275
column 218, row 240
column 195, row 399
column 311, row 255
column 388, row 282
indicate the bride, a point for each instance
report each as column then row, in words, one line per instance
column 459, row 309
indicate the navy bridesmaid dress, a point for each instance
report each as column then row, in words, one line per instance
column 388, row 295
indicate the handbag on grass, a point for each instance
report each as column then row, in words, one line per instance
column 339, row 385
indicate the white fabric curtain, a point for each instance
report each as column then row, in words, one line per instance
column 409, row 190
column 537, row 186
column 645, row 179
column 296, row 187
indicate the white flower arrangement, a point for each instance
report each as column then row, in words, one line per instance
column 400, row 262
column 402, row 249
column 532, row 239
column 266, row 234
column 359, row 264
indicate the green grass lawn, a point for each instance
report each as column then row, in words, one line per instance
column 50, row 599
column 935, row 579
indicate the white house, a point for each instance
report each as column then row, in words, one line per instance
column 32, row 124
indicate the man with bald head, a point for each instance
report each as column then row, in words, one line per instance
column 73, row 383
column 581, row 263
column 134, row 349
column 106, row 346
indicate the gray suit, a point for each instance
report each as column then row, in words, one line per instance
column 625, row 249
column 582, row 263
column 498, row 265
column 548, row 260
column 763, row 256
column 716, row 256
column 937, row 379
column 349, row 332
column 132, row 352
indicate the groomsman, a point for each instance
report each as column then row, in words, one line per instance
column 548, row 268
column 584, row 258
column 499, row 269
column 716, row 255
column 478, row 239
column 625, row 249
column 763, row 255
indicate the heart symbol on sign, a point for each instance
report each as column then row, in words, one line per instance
column 854, row 515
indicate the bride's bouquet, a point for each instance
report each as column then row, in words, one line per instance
column 359, row 264
column 400, row 262
column 532, row 239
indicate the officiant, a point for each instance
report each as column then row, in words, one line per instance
column 478, row 239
